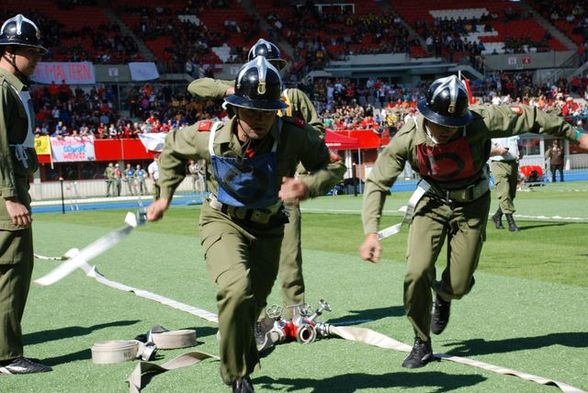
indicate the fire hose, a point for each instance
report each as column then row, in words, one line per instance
column 305, row 329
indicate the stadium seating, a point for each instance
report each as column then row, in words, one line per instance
column 506, row 20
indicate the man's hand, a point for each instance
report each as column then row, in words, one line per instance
column 499, row 151
column 19, row 214
column 370, row 249
column 156, row 209
column 293, row 190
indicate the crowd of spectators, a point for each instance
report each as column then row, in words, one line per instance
column 569, row 16
column 63, row 111
column 107, row 112
column 342, row 104
column 181, row 42
column 342, row 33
column 379, row 105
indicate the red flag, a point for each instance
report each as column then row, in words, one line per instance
column 471, row 98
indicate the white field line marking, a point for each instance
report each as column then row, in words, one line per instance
column 400, row 210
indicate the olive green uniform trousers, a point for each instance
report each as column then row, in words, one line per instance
column 16, row 268
column 506, row 175
column 243, row 262
column 434, row 221
column 290, row 269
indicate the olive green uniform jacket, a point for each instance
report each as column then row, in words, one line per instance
column 290, row 271
column 242, row 254
column 16, row 243
column 437, row 217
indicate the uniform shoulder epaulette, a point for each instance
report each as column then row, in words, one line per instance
column 296, row 121
column 204, row 125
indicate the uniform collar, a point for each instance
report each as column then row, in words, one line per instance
column 12, row 79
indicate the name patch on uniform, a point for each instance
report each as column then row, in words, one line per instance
column 204, row 125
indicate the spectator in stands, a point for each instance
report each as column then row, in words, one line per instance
column 20, row 50
column 504, row 163
column 197, row 174
column 448, row 145
column 141, row 185
column 153, row 170
column 555, row 155
column 109, row 179
column 117, row 180
column 129, row 179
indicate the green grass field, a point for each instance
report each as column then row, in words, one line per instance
column 527, row 311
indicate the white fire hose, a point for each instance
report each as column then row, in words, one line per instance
column 122, row 350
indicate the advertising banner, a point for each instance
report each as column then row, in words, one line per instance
column 73, row 148
column 81, row 73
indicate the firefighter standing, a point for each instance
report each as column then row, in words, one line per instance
column 21, row 50
column 504, row 163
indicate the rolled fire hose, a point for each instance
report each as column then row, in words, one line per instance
column 118, row 351
column 144, row 347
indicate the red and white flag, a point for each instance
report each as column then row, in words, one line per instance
column 153, row 141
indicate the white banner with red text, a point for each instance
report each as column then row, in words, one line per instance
column 80, row 73
column 73, row 149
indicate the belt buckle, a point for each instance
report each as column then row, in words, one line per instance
column 469, row 192
column 458, row 196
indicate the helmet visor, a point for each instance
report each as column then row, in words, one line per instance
column 447, row 121
column 260, row 105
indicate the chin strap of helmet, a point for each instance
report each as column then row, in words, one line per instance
column 11, row 59
column 430, row 134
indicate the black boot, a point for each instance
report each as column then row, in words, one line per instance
column 497, row 218
column 440, row 315
column 512, row 226
column 242, row 385
column 421, row 354
column 22, row 365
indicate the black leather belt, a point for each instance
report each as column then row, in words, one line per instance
column 463, row 195
column 259, row 216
